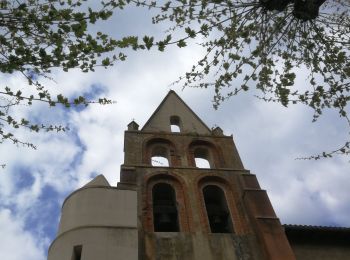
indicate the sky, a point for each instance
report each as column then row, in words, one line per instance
column 268, row 137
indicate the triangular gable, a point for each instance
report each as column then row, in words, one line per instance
column 99, row 180
column 173, row 105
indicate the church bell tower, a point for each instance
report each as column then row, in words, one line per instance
column 195, row 199
column 183, row 194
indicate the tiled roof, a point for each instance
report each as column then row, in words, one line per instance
column 320, row 228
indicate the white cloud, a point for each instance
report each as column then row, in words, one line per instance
column 268, row 137
column 15, row 242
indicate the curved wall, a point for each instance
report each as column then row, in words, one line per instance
column 100, row 219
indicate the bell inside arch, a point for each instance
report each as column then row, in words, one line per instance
column 217, row 219
column 164, row 218
column 217, row 210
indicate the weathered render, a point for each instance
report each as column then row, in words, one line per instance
column 315, row 242
column 255, row 231
column 169, row 206
column 98, row 222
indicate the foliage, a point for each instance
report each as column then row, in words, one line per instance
column 263, row 44
column 249, row 44
column 36, row 36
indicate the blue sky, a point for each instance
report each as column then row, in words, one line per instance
column 269, row 138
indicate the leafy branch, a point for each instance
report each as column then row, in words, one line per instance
column 36, row 36
column 263, row 44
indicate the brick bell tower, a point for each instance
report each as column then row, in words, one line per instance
column 195, row 200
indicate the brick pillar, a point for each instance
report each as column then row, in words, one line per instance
column 265, row 222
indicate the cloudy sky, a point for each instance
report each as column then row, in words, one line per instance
column 269, row 138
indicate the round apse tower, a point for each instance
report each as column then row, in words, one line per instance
column 97, row 222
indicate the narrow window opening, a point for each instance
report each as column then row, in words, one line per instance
column 175, row 129
column 202, row 163
column 165, row 217
column 201, row 157
column 175, row 124
column 217, row 210
column 77, row 252
column 160, row 161
column 160, row 156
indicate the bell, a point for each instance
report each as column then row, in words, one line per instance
column 216, row 219
column 164, row 218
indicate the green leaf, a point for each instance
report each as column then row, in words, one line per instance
column 148, row 42
column 181, row 44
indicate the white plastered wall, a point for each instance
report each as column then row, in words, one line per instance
column 101, row 219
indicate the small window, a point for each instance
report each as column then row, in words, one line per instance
column 217, row 210
column 165, row 217
column 201, row 158
column 77, row 252
column 202, row 163
column 159, row 161
column 175, row 124
column 160, row 156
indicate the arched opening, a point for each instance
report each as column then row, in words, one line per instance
column 159, row 156
column 159, row 161
column 217, row 210
column 77, row 252
column 165, row 217
column 175, row 124
column 201, row 158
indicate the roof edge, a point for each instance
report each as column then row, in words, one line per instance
column 163, row 101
